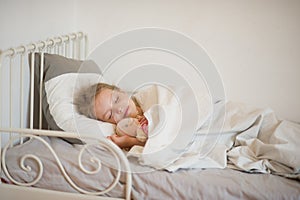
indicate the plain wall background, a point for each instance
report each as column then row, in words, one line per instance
column 254, row 44
column 22, row 22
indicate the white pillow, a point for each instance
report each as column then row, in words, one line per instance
column 60, row 94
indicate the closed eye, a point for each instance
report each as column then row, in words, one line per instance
column 117, row 99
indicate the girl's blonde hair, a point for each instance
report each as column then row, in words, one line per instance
column 85, row 99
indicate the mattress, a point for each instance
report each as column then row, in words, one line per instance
column 147, row 182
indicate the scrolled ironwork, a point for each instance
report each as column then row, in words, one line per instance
column 40, row 168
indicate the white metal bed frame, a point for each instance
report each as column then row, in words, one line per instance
column 72, row 46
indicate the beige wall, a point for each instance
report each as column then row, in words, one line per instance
column 22, row 22
column 255, row 43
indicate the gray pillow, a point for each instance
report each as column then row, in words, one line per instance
column 54, row 65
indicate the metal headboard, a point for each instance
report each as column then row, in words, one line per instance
column 70, row 45
column 74, row 45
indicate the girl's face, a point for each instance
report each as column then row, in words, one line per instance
column 112, row 106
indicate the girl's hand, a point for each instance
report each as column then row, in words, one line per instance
column 125, row 141
column 144, row 124
column 143, row 120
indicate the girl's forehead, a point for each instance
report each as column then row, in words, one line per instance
column 118, row 93
column 105, row 93
column 103, row 97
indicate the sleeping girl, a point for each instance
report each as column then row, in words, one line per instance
column 109, row 103
column 178, row 137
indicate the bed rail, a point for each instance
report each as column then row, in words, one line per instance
column 71, row 45
column 17, row 103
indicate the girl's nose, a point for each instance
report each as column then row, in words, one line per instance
column 118, row 114
column 120, row 110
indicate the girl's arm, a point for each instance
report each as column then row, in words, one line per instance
column 125, row 141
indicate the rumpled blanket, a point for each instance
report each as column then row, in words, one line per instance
column 226, row 134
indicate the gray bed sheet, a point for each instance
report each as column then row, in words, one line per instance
column 147, row 183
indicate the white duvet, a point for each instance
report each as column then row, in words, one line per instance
column 221, row 135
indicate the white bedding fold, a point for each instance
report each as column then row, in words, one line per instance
column 247, row 138
column 173, row 118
